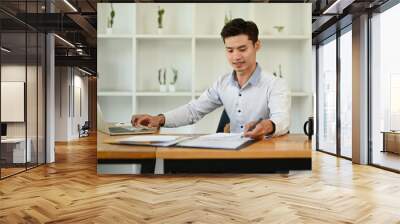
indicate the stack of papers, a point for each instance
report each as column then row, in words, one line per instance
column 153, row 140
column 213, row 141
column 218, row 141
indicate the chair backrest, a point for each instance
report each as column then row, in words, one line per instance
column 86, row 125
column 223, row 121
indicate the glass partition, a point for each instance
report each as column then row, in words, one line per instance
column 385, row 89
column 14, row 152
column 22, row 66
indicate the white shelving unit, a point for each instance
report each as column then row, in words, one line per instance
column 130, row 56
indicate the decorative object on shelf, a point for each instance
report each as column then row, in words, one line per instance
column 279, row 29
column 228, row 19
column 280, row 71
column 160, row 12
column 171, row 86
column 162, row 79
column 110, row 20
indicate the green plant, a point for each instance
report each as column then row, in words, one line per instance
column 112, row 15
column 228, row 19
column 175, row 71
column 162, row 76
column 161, row 12
column 279, row 28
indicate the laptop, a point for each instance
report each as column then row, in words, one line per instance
column 118, row 128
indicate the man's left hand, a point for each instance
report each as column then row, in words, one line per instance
column 262, row 129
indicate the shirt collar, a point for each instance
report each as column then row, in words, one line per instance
column 254, row 78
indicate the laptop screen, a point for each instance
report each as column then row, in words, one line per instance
column 3, row 129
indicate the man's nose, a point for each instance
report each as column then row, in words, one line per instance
column 237, row 55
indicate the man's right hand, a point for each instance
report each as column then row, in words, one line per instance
column 148, row 120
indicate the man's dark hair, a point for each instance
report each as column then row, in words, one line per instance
column 239, row 26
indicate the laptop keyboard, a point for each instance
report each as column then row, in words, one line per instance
column 127, row 129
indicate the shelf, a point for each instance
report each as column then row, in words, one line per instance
column 114, row 93
column 297, row 94
column 163, row 36
column 208, row 37
column 261, row 37
column 114, row 36
column 300, row 94
column 283, row 37
column 130, row 57
column 163, row 94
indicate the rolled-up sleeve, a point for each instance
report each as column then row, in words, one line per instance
column 279, row 104
column 196, row 109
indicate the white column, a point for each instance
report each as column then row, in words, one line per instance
column 50, row 99
column 360, row 90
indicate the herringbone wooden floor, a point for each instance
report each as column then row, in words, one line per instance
column 69, row 191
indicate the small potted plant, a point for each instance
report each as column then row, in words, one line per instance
column 160, row 12
column 110, row 20
column 228, row 19
column 162, row 79
column 171, row 85
column 279, row 29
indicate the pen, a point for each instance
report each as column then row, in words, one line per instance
column 254, row 126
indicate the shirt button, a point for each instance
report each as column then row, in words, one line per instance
column 240, row 94
column 239, row 111
column 241, row 126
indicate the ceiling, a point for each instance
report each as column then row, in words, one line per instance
column 76, row 22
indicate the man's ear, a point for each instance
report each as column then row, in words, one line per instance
column 257, row 45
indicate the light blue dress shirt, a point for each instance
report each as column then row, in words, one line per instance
column 263, row 96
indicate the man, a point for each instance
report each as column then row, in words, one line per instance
column 256, row 102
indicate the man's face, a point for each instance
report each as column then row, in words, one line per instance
column 241, row 52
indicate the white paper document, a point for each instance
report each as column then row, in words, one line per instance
column 217, row 141
column 152, row 140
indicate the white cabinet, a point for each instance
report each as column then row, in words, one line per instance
column 130, row 57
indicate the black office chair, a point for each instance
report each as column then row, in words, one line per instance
column 224, row 120
column 84, row 130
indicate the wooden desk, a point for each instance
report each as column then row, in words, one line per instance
column 111, row 158
column 107, row 151
column 13, row 151
column 288, row 146
column 391, row 141
column 289, row 152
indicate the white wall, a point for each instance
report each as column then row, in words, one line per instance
column 69, row 85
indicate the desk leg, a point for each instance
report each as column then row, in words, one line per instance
column 159, row 169
column 123, row 166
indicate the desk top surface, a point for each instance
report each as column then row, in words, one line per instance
column 287, row 146
column 13, row 140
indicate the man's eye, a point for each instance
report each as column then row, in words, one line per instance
column 242, row 49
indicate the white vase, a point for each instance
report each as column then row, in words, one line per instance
column 163, row 88
column 160, row 31
column 171, row 88
column 109, row 30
